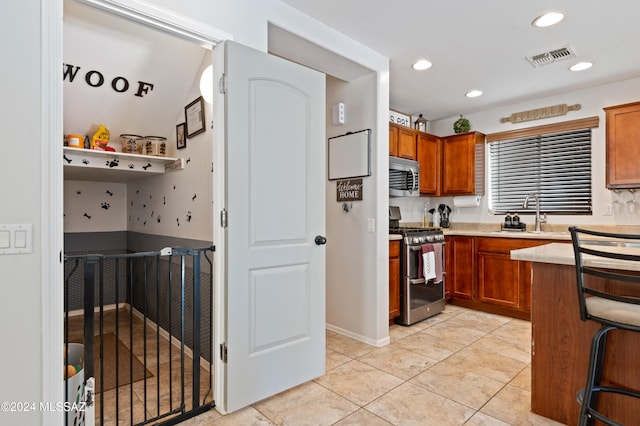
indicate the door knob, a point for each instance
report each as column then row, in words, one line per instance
column 320, row 240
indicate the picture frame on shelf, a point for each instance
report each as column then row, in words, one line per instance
column 194, row 117
column 181, row 135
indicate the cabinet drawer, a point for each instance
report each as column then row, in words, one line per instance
column 505, row 245
column 394, row 248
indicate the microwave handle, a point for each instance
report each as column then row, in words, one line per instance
column 413, row 180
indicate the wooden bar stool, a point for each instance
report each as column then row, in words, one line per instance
column 611, row 311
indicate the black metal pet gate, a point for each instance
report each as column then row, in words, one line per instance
column 150, row 359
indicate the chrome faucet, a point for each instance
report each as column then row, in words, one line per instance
column 539, row 220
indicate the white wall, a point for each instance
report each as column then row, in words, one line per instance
column 20, row 195
column 354, row 306
column 95, row 206
column 179, row 204
column 592, row 101
column 21, row 191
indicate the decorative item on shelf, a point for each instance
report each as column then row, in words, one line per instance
column 399, row 118
column 461, row 125
column 540, row 113
column 420, row 124
column 156, row 146
column 131, row 144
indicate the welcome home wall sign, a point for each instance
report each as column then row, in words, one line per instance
column 96, row 79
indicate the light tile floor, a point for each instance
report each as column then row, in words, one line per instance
column 163, row 391
column 461, row 367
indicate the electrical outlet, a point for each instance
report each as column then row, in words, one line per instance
column 607, row 209
column 371, row 224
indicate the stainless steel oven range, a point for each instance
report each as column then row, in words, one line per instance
column 422, row 285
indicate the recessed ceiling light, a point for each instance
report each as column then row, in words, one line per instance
column 548, row 19
column 581, row 66
column 422, row 65
column 473, row 93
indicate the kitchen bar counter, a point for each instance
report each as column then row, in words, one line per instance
column 560, row 341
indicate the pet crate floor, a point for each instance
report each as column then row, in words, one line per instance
column 163, row 391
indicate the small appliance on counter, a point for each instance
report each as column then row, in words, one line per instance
column 443, row 213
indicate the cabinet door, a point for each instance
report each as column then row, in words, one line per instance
column 394, row 279
column 459, row 158
column 502, row 281
column 498, row 279
column 393, row 140
column 623, row 149
column 429, row 149
column 407, row 143
column 459, row 267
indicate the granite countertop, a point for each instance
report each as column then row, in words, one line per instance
column 559, row 232
column 562, row 254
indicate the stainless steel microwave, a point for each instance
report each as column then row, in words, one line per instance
column 404, row 177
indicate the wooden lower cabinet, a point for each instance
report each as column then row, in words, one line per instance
column 459, row 268
column 394, row 280
column 482, row 275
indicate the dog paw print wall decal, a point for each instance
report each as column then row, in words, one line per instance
column 131, row 166
column 67, row 159
column 148, row 166
column 178, row 220
column 110, row 193
column 158, row 219
column 105, row 206
column 87, row 216
column 194, row 197
column 113, row 163
column 189, row 216
column 86, row 161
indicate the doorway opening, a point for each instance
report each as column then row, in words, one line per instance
column 148, row 314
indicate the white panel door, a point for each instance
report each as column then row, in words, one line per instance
column 275, row 186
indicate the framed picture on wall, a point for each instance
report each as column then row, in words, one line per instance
column 181, row 135
column 194, row 117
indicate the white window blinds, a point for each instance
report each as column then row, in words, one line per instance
column 554, row 166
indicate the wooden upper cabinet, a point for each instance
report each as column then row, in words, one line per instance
column 407, row 143
column 623, row 146
column 393, row 140
column 402, row 141
column 463, row 164
column 429, row 154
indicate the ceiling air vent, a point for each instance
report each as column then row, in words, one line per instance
column 552, row 56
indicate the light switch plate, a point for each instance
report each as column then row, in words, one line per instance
column 20, row 239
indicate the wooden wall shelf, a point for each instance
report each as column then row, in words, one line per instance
column 104, row 166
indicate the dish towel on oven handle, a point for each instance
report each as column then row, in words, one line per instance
column 428, row 262
column 432, row 262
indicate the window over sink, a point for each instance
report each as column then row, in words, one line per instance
column 554, row 166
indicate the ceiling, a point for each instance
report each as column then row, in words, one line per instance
column 483, row 45
column 118, row 49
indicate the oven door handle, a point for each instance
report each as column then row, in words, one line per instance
column 417, row 281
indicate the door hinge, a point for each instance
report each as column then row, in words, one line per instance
column 223, row 218
column 222, row 84
column 223, row 352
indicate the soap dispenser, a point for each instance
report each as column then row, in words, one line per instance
column 508, row 220
column 515, row 220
